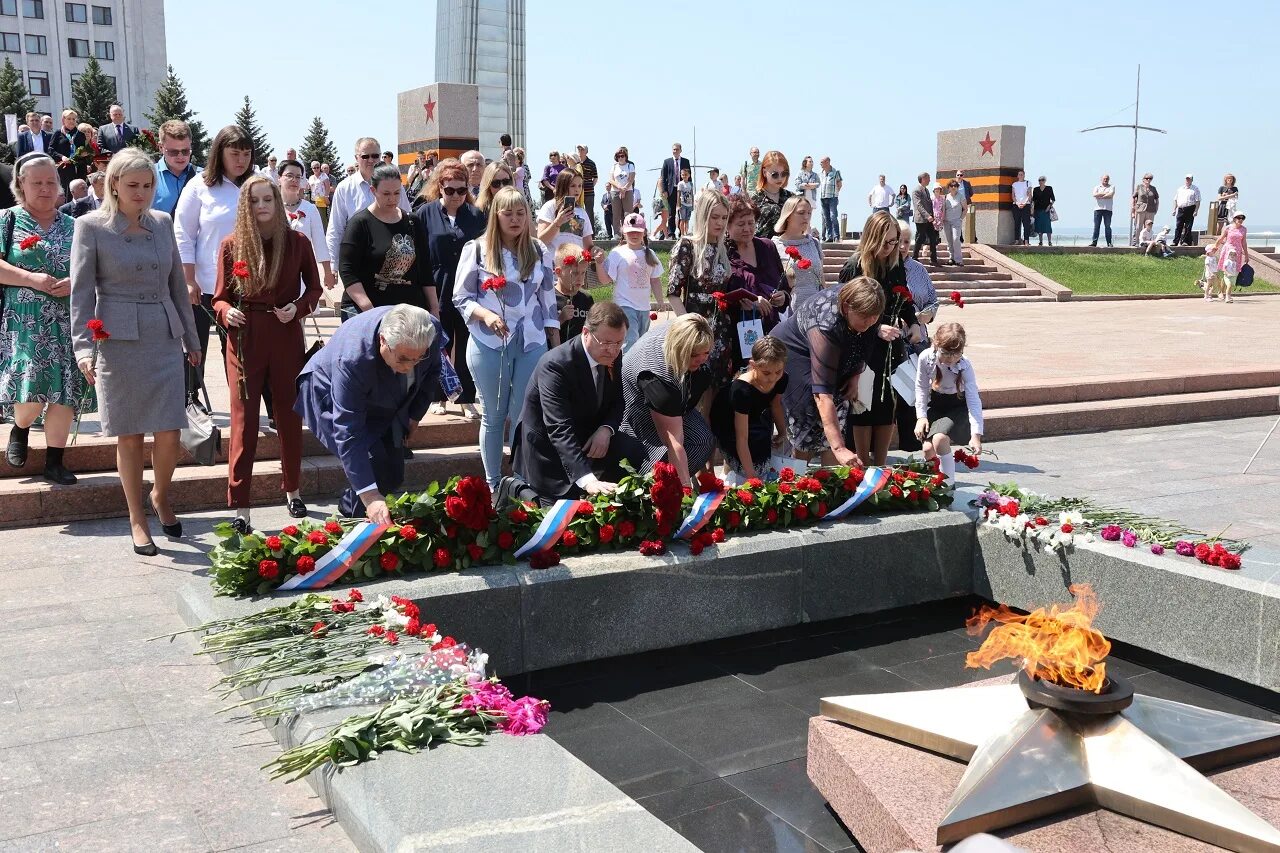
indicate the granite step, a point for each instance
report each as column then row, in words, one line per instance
column 1128, row 413
column 1128, row 387
column 31, row 501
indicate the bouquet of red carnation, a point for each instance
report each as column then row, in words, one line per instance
column 471, row 504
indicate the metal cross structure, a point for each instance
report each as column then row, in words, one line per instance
column 1135, row 127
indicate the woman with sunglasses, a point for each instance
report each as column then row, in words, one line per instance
column 450, row 221
column 496, row 176
column 770, row 193
column 622, row 181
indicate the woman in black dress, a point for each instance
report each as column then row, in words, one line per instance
column 384, row 257
column 879, row 259
column 747, row 417
column 69, row 140
column 1042, row 200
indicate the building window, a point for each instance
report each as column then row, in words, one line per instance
column 37, row 44
column 104, row 49
column 39, row 81
column 76, row 13
column 8, row 7
column 102, row 15
column 9, row 42
column 33, row 8
column 78, row 48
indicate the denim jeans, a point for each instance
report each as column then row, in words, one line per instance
column 830, row 218
column 637, row 325
column 501, row 379
column 1101, row 217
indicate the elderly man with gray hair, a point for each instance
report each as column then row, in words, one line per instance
column 362, row 394
column 82, row 201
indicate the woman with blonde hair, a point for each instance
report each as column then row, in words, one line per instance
column 505, row 292
column 664, row 377
column 563, row 219
column 69, row 140
column 795, row 242
column 126, row 272
column 496, row 176
column 700, row 268
column 260, row 267
column 770, row 192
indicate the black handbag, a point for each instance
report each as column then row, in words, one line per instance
column 201, row 436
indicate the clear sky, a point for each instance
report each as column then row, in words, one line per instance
column 870, row 84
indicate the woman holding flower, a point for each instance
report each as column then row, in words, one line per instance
column 699, row 278
column 505, row 292
column 70, row 151
column 38, row 372
column 755, row 268
column 262, row 266
column 127, row 275
column 800, row 251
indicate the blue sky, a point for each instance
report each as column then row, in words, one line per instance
column 869, row 84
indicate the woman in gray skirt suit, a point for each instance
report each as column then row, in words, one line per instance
column 126, row 272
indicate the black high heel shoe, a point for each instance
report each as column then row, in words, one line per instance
column 148, row 550
column 239, row 525
column 174, row 530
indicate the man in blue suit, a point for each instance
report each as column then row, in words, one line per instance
column 35, row 139
column 362, row 394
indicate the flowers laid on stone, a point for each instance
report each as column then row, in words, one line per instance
column 454, row 526
column 1050, row 524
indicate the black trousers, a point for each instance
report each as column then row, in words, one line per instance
column 387, row 458
column 926, row 234
column 589, row 204
column 204, row 323
column 672, row 198
column 608, row 469
column 1185, row 219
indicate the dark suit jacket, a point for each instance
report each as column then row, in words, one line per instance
column 967, row 188
column 25, row 139
column 64, row 147
column 78, row 208
column 671, row 173
column 560, row 414
column 111, row 141
column 350, row 398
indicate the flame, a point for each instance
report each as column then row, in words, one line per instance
column 1059, row 645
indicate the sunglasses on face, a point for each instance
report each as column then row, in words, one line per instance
column 500, row 182
column 178, row 152
column 776, row 175
column 369, row 156
column 453, row 190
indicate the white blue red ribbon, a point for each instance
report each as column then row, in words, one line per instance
column 339, row 561
column 704, row 507
column 552, row 527
column 873, row 480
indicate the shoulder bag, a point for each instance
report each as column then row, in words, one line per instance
column 201, row 437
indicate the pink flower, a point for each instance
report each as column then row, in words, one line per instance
column 487, row 696
column 1157, row 549
column 1111, row 532
column 525, row 716
column 1184, row 548
column 1129, row 538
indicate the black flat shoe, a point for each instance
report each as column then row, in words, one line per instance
column 239, row 525
column 16, row 453
column 297, row 509
column 148, row 550
column 59, row 475
column 173, row 531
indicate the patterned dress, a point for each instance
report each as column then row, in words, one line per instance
column 768, row 211
column 37, row 364
column 695, row 292
column 649, row 385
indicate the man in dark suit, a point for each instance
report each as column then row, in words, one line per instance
column 81, row 202
column 922, row 215
column 362, row 394
column 35, row 139
column 118, row 133
column 567, row 442
column 670, row 177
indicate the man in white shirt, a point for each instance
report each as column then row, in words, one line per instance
column 880, row 197
column 713, row 181
column 1186, row 203
column 1021, row 210
column 1104, row 195
column 271, row 173
column 319, row 184
column 354, row 194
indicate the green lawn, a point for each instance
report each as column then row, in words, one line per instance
column 1130, row 275
column 605, row 291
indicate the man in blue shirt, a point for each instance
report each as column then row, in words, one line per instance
column 175, row 167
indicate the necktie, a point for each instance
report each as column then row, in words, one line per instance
column 602, row 382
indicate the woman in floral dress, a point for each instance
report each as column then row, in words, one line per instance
column 38, row 371
column 700, row 268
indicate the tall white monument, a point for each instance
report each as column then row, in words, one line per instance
column 482, row 42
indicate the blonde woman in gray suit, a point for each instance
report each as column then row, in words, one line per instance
column 126, row 272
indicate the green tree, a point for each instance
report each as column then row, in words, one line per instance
column 171, row 103
column 14, row 97
column 247, row 118
column 318, row 146
column 92, row 95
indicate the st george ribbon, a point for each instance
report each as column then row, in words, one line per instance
column 704, row 507
column 873, row 480
column 337, row 562
column 552, row 527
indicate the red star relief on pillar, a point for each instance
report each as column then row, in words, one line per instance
column 988, row 145
column 430, row 107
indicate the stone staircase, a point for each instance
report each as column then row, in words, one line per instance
column 977, row 280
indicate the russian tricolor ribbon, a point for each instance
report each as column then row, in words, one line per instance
column 552, row 527
column 873, row 480
column 704, row 507
column 340, row 559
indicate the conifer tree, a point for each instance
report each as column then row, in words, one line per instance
column 14, row 97
column 247, row 118
column 92, row 95
column 171, row 103
column 318, row 146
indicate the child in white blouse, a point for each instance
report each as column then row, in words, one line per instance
column 948, row 405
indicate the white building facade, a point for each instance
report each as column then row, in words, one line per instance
column 482, row 42
column 50, row 41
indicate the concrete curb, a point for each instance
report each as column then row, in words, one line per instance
column 1005, row 264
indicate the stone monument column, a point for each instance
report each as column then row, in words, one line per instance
column 441, row 119
column 990, row 157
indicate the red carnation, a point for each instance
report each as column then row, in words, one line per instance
column 475, row 552
column 274, row 543
column 607, row 532
column 318, row 629
column 569, row 539
column 717, row 535
column 305, row 565
column 653, row 315
column 495, row 283
column 332, row 527
column 451, row 531
column 894, row 491
column 850, row 484
column 926, row 494
column 803, row 264
column 290, row 530
column 317, row 537
column 506, row 540
column 240, row 269
column 793, row 252
column 1068, row 527
column 355, row 595
column 821, row 510
column 585, row 508
column 268, row 569
column 735, row 518
column 785, row 488
column 391, row 637
column 543, row 559
column 518, row 516
column 626, row 529
column 695, row 547
column 822, row 475
column 445, row 643
column 801, row 512
column 570, row 260
column 1230, row 561
column 428, row 630
column 341, row 606
column 771, row 516
column 786, row 475
column 413, row 627
column 97, row 329
column 29, row 242
column 746, row 497
column 653, row 547
column 957, row 299
column 377, row 630
column 389, row 562
column 755, row 483
column 408, row 533
column 1202, row 552
column 442, row 558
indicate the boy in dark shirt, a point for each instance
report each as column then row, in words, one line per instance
column 571, row 301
